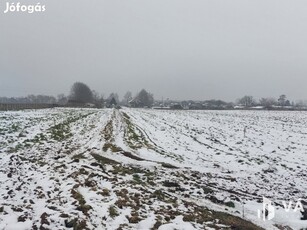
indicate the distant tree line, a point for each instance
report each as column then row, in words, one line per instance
column 270, row 102
column 246, row 102
column 82, row 96
column 30, row 99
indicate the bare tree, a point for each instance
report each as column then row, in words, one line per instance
column 127, row 98
column 62, row 99
column 143, row 99
column 282, row 100
column 267, row 102
column 301, row 103
column 247, row 101
column 97, row 99
column 81, row 93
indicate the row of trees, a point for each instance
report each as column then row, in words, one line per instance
column 249, row 101
column 30, row 99
column 82, row 94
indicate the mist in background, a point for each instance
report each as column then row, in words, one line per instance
column 177, row 49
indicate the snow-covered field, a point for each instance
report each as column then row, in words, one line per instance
column 150, row 169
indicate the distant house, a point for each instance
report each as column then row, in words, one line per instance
column 238, row 107
column 135, row 103
column 176, row 106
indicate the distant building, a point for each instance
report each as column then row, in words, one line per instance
column 176, row 106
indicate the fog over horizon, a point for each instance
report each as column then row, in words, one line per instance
column 177, row 49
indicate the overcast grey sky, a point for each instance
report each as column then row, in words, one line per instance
column 181, row 49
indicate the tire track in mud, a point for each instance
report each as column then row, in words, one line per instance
column 175, row 156
column 193, row 137
column 120, row 126
column 150, row 144
column 110, row 132
column 147, row 142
